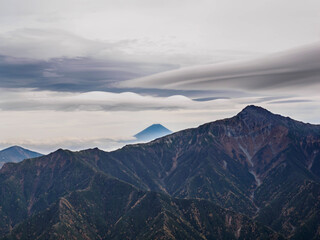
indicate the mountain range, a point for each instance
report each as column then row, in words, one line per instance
column 16, row 154
column 252, row 176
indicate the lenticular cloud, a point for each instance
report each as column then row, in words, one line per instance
column 286, row 70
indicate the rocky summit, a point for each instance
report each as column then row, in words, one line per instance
column 253, row 176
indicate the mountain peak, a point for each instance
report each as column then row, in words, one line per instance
column 253, row 112
column 13, row 147
column 16, row 154
column 152, row 132
column 61, row 151
column 157, row 125
column 252, row 109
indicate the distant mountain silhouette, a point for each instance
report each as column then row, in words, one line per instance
column 16, row 154
column 152, row 132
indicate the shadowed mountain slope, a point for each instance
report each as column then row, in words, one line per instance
column 71, row 200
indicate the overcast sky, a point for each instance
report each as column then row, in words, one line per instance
column 79, row 73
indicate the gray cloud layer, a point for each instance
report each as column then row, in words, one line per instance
column 286, row 70
column 71, row 74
